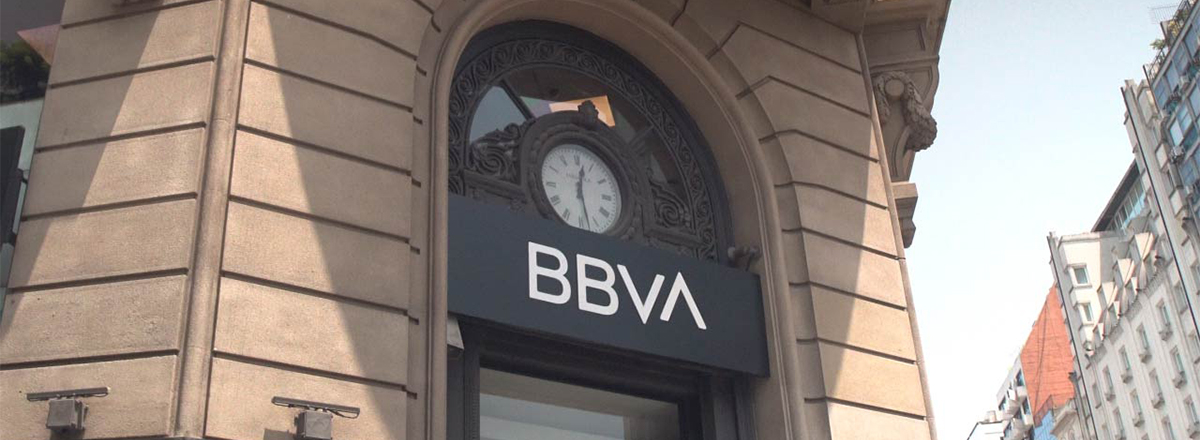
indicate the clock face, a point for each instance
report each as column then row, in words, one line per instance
column 581, row 188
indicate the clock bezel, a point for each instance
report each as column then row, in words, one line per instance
column 607, row 170
column 584, row 129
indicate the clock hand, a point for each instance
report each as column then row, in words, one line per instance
column 582, row 200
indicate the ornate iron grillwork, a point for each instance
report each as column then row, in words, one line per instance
column 674, row 192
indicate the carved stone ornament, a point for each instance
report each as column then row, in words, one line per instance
column 897, row 85
column 503, row 166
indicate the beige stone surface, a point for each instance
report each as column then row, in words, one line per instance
column 759, row 55
column 114, row 172
column 850, row 422
column 139, row 403
column 731, row 74
column 310, row 48
column 135, row 42
column 123, row 241
column 804, row 325
column 324, row 116
column 788, row 205
column 795, row 257
column 665, row 9
column 811, row 384
column 126, row 104
column 800, row 159
column 75, row 11
column 860, row 323
column 709, row 20
column 401, row 23
column 851, row 269
column 785, row 108
column 805, row 30
column 695, row 33
column 312, row 332
column 240, row 404
column 324, row 185
column 99, row 320
column 849, row 219
column 816, row 421
column 872, row 380
column 317, row 256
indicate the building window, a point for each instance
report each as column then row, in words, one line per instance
column 1194, row 346
column 1194, row 97
column 1180, row 368
column 1087, row 311
column 1156, row 385
column 1120, row 422
column 1108, row 382
column 1136, row 403
column 1125, row 365
column 1193, row 417
column 1164, row 317
column 1166, row 424
column 1080, row 274
column 1162, row 92
column 1145, row 343
column 1173, row 76
column 1185, row 118
column 1176, row 133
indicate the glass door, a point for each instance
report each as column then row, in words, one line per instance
column 508, row 384
column 518, row 407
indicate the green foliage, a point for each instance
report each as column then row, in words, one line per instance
column 1158, row 44
column 23, row 73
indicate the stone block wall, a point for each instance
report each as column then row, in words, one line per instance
column 231, row 201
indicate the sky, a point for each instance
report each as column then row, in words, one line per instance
column 1030, row 140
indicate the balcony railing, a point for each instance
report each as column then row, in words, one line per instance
column 1172, row 30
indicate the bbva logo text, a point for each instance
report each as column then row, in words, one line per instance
column 606, row 285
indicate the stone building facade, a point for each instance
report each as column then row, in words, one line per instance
column 233, row 201
column 1133, row 338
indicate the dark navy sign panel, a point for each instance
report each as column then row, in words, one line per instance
column 525, row 272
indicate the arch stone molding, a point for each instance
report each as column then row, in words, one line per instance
column 716, row 111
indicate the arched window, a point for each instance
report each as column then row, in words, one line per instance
column 554, row 122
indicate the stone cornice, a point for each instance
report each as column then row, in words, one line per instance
column 902, row 39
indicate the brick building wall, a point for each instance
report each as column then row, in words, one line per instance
column 1046, row 358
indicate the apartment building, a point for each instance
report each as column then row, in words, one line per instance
column 1135, row 346
column 1014, row 409
column 1037, row 394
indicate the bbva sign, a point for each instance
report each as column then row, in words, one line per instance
column 587, row 286
column 533, row 274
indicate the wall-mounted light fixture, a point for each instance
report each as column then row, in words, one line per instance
column 315, row 422
column 66, row 413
